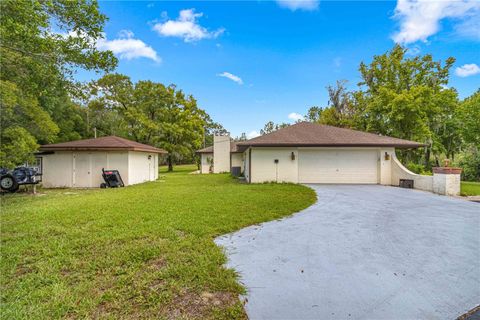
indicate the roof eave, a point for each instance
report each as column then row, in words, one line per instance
column 46, row 148
column 332, row 145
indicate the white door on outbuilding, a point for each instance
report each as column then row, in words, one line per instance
column 82, row 170
column 358, row 166
column 87, row 169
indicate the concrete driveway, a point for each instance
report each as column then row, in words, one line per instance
column 362, row 252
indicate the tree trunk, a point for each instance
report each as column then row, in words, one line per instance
column 170, row 163
column 427, row 158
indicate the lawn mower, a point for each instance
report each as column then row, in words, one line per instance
column 112, row 179
column 11, row 180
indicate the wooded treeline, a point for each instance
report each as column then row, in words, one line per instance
column 43, row 44
column 408, row 98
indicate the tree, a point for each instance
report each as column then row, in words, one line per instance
column 314, row 114
column 269, row 127
column 151, row 113
column 243, row 137
column 407, row 98
column 340, row 110
column 468, row 114
column 43, row 43
column 23, row 123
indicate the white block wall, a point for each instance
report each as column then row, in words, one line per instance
column 420, row 182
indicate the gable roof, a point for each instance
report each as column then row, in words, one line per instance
column 308, row 134
column 233, row 148
column 110, row 143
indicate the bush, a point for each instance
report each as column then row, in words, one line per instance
column 469, row 161
column 418, row 168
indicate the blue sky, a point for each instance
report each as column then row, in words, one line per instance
column 253, row 61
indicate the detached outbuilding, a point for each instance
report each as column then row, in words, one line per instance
column 78, row 164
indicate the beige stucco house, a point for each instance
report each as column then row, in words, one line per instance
column 312, row 153
column 78, row 164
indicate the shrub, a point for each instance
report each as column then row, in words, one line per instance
column 469, row 161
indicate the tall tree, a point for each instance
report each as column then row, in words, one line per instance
column 151, row 113
column 469, row 117
column 43, row 43
column 407, row 98
column 270, row 127
column 314, row 114
column 340, row 111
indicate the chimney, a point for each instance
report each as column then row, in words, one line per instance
column 221, row 152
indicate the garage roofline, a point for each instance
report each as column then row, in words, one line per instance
column 47, row 149
column 109, row 143
column 332, row 145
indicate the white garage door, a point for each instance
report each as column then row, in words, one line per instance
column 338, row 166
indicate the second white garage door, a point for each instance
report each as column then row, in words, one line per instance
column 338, row 166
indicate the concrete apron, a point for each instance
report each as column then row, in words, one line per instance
column 362, row 252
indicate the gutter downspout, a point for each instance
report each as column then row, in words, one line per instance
column 250, row 165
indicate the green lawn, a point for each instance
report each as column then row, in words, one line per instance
column 144, row 251
column 470, row 188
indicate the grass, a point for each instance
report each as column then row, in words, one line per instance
column 470, row 188
column 144, row 251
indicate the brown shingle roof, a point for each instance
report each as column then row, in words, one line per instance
column 307, row 134
column 233, row 148
column 110, row 143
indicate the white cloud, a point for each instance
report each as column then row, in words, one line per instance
column 298, row 4
column 467, row 70
column 420, row 19
column 232, row 77
column 253, row 134
column 186, row 27
column 126, row 47
column 296, row 116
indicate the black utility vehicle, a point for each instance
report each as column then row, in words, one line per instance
column 12, row 180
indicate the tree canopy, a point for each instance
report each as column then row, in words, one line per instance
column 150, row 113
column 408, row 98
column 39, row 52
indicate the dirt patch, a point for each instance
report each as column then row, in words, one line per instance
column 197, row 306
column 23, row 269
column 157, row 263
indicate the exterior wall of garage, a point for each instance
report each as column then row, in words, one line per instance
column 264, row 168
column 320, row 165
column 142, row 167
column 83, row 169
column 57, row 170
